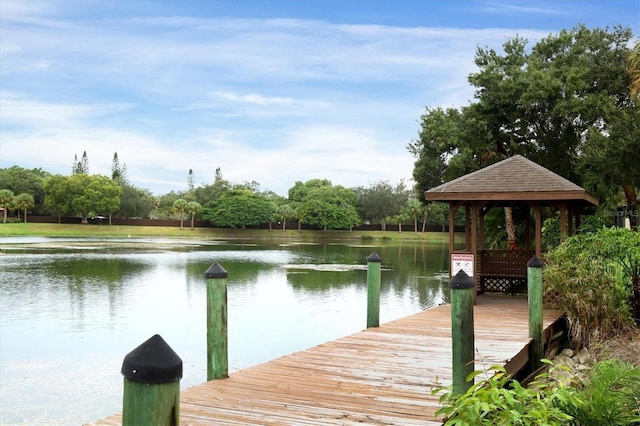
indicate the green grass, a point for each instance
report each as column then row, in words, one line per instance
column 77, row 230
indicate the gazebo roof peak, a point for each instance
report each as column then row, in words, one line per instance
column 513, row 179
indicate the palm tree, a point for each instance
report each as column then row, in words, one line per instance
column 284, row 212
column 6, row 199
column 180, row 205
column 192, row 208
column 24, row 202
column 414, row 210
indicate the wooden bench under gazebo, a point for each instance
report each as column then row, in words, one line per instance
column 513, row 182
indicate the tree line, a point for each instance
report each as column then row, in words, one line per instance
column 223, row 203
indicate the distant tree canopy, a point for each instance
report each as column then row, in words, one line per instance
column 83, row 194
column 564, row 103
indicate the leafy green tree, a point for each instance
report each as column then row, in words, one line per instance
column 20, row 180
column 610, row 161
column 56, row 198
column 180, row 206
column 193, row 208
column 380, row 200
column 537, row 102
column 300, row 190
column 329, row 207
column 238, row 209
column 6, row 201
column 135, row 202
column 204, row 194
column 23, row 202
column 84, row 195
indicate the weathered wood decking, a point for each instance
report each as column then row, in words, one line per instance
column 378, row 376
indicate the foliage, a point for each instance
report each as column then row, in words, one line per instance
column 20, row 180
column 608, row 396
column 284, row 212
column 6, row 200
column 82, row 194
column 80, row 166
column 540, row 102
column 193, row 208
column 329, row 207
column 300, row 190
column 551, row 229
column 413, row 210
column 499, row 400
column 180, row 206
column 135, row 202
column 609, row 158
column 591, row 278
column 633, row 68
column 238, row 209
column 23, row 202
column 380, row 200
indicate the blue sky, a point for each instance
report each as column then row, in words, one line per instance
column 272, row 91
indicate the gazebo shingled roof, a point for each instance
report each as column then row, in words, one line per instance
column 514, row 179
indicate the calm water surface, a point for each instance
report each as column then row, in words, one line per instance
column 71, row 309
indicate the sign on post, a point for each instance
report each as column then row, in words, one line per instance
column 464, row 262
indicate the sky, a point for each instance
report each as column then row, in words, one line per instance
column 272, row 91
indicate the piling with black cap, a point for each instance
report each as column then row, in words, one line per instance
column 374, row 262
column 152, row 374
column 217, row 340
column 534, row 295
column 462, row 289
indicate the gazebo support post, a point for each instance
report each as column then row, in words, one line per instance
column 538, row 231
column 467, row 233
column 563, row 222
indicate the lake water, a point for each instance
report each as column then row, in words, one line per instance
column 71, row 309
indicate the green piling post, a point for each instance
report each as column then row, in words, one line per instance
column 152, row 374
column 374, row 262
column 462, row 330
column 217, row 340
column 534, row 294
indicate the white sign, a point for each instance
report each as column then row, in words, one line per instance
column 462, row 261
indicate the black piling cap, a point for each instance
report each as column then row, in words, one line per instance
column 374, row 257
column 215, row 271
column 153, row 362
column 534, row 262
column 461, row 280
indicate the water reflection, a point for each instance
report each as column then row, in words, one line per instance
column 72, row 308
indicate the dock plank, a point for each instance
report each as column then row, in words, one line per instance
column 379, row 376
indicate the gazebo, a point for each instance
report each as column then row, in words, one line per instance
column 513, row 182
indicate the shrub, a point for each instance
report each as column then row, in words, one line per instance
column 610, row 395
column 499, row 400
column 591, row 278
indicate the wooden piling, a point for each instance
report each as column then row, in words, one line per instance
column 534, row 294
column 152, row 374
column 462, row 330
column 217, row 339
column 374, row 263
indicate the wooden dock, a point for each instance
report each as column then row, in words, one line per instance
column 379, row 376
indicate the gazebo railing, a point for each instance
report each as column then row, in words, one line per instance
column 503, row 271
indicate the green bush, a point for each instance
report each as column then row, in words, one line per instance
column 591, row 278
column 499, row 400
column 609, row 395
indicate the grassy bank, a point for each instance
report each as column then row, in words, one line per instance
column 76, row 230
